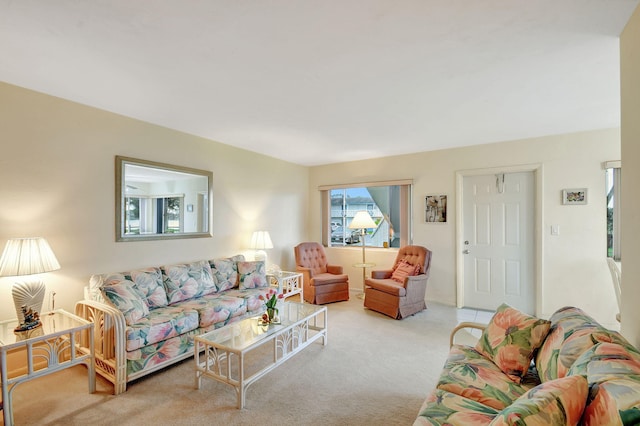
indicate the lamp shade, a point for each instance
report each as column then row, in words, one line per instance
column 261, row 240
column 362, row 220
column 27, row 256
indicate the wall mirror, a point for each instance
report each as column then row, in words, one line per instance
column 156, row 201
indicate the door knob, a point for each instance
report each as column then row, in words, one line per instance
column 465, row 251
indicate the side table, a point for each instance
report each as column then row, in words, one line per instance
column 364, row 267
column 64, row 340
column 287, row 283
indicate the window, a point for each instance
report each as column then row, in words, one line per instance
column 155, row 215
column 613, row 178
column 387, row 203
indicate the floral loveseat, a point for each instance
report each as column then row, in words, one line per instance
column 528, row 371
column 146, row 319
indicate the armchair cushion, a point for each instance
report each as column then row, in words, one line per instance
column 388, row 286
column 328, row 278
column 403, row 270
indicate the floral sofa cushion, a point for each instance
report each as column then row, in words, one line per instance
column 468, row 373
column 148, row 282
column 556, row 402
column 225, row 272
column 613, row 371
column 161, row 324
column 510, row 340
column 186, row 281
column 125, row 297
column 215, row 308
column 254, row 297
column 446, row 408
column 572, row 333
column 252, row 274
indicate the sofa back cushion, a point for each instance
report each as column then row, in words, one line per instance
column 510, row 340
column 572, row 333
column 147, row 281
column 252, row 274
column 188, row 280
column 226, row 272
column 127, row 299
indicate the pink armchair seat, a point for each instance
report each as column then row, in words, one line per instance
column 323, row 283
column 400, row 299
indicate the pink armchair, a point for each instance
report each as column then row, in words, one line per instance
column 400, row 299
column 322, row 283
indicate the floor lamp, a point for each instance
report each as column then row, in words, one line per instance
column 28, row 256
column 362, row 221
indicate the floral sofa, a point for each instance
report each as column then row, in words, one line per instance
column 146, row 319
column 528, row 371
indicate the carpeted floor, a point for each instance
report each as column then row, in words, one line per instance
column 374, row 371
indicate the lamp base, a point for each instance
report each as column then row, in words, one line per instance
column 27, row 299
column 260, row 256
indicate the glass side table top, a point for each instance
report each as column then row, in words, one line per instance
column 247, row 332
column 52, row 322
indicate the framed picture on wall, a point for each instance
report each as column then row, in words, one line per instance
column 574, row 196
column 435, row 209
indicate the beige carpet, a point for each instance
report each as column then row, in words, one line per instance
column 374, row 371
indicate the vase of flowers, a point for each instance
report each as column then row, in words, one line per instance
column 272, row 310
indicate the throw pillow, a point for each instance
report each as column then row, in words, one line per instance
column 510, row 340
column 403, row 270
column 557, row 402
column 124, row 297
column 252, row 274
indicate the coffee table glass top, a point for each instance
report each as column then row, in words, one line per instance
column 249, row 331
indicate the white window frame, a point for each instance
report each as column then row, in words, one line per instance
column 406, row 220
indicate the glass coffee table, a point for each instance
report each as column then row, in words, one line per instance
column 220, row 354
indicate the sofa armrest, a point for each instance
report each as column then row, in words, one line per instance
column 463, row 325
column 334, row 269
column 381, row 274
column 109, row 341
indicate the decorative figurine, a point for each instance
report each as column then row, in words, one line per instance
column 31, row 320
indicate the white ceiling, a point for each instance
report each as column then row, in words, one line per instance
column 324, row 81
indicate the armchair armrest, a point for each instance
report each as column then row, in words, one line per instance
column 334, row 269
column 464, row 325
column 109, row 337
column 381, row 274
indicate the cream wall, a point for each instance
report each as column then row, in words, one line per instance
column 630, row 134
column 57, row 173
column 574, row 269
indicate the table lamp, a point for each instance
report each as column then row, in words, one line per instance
column 28, row 256
column 260, row 240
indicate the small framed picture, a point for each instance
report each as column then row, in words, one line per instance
column 435, row 208
column 574, row 196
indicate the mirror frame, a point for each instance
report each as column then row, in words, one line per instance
column 121, row 161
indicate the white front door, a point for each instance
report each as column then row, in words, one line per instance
column 498, row 234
